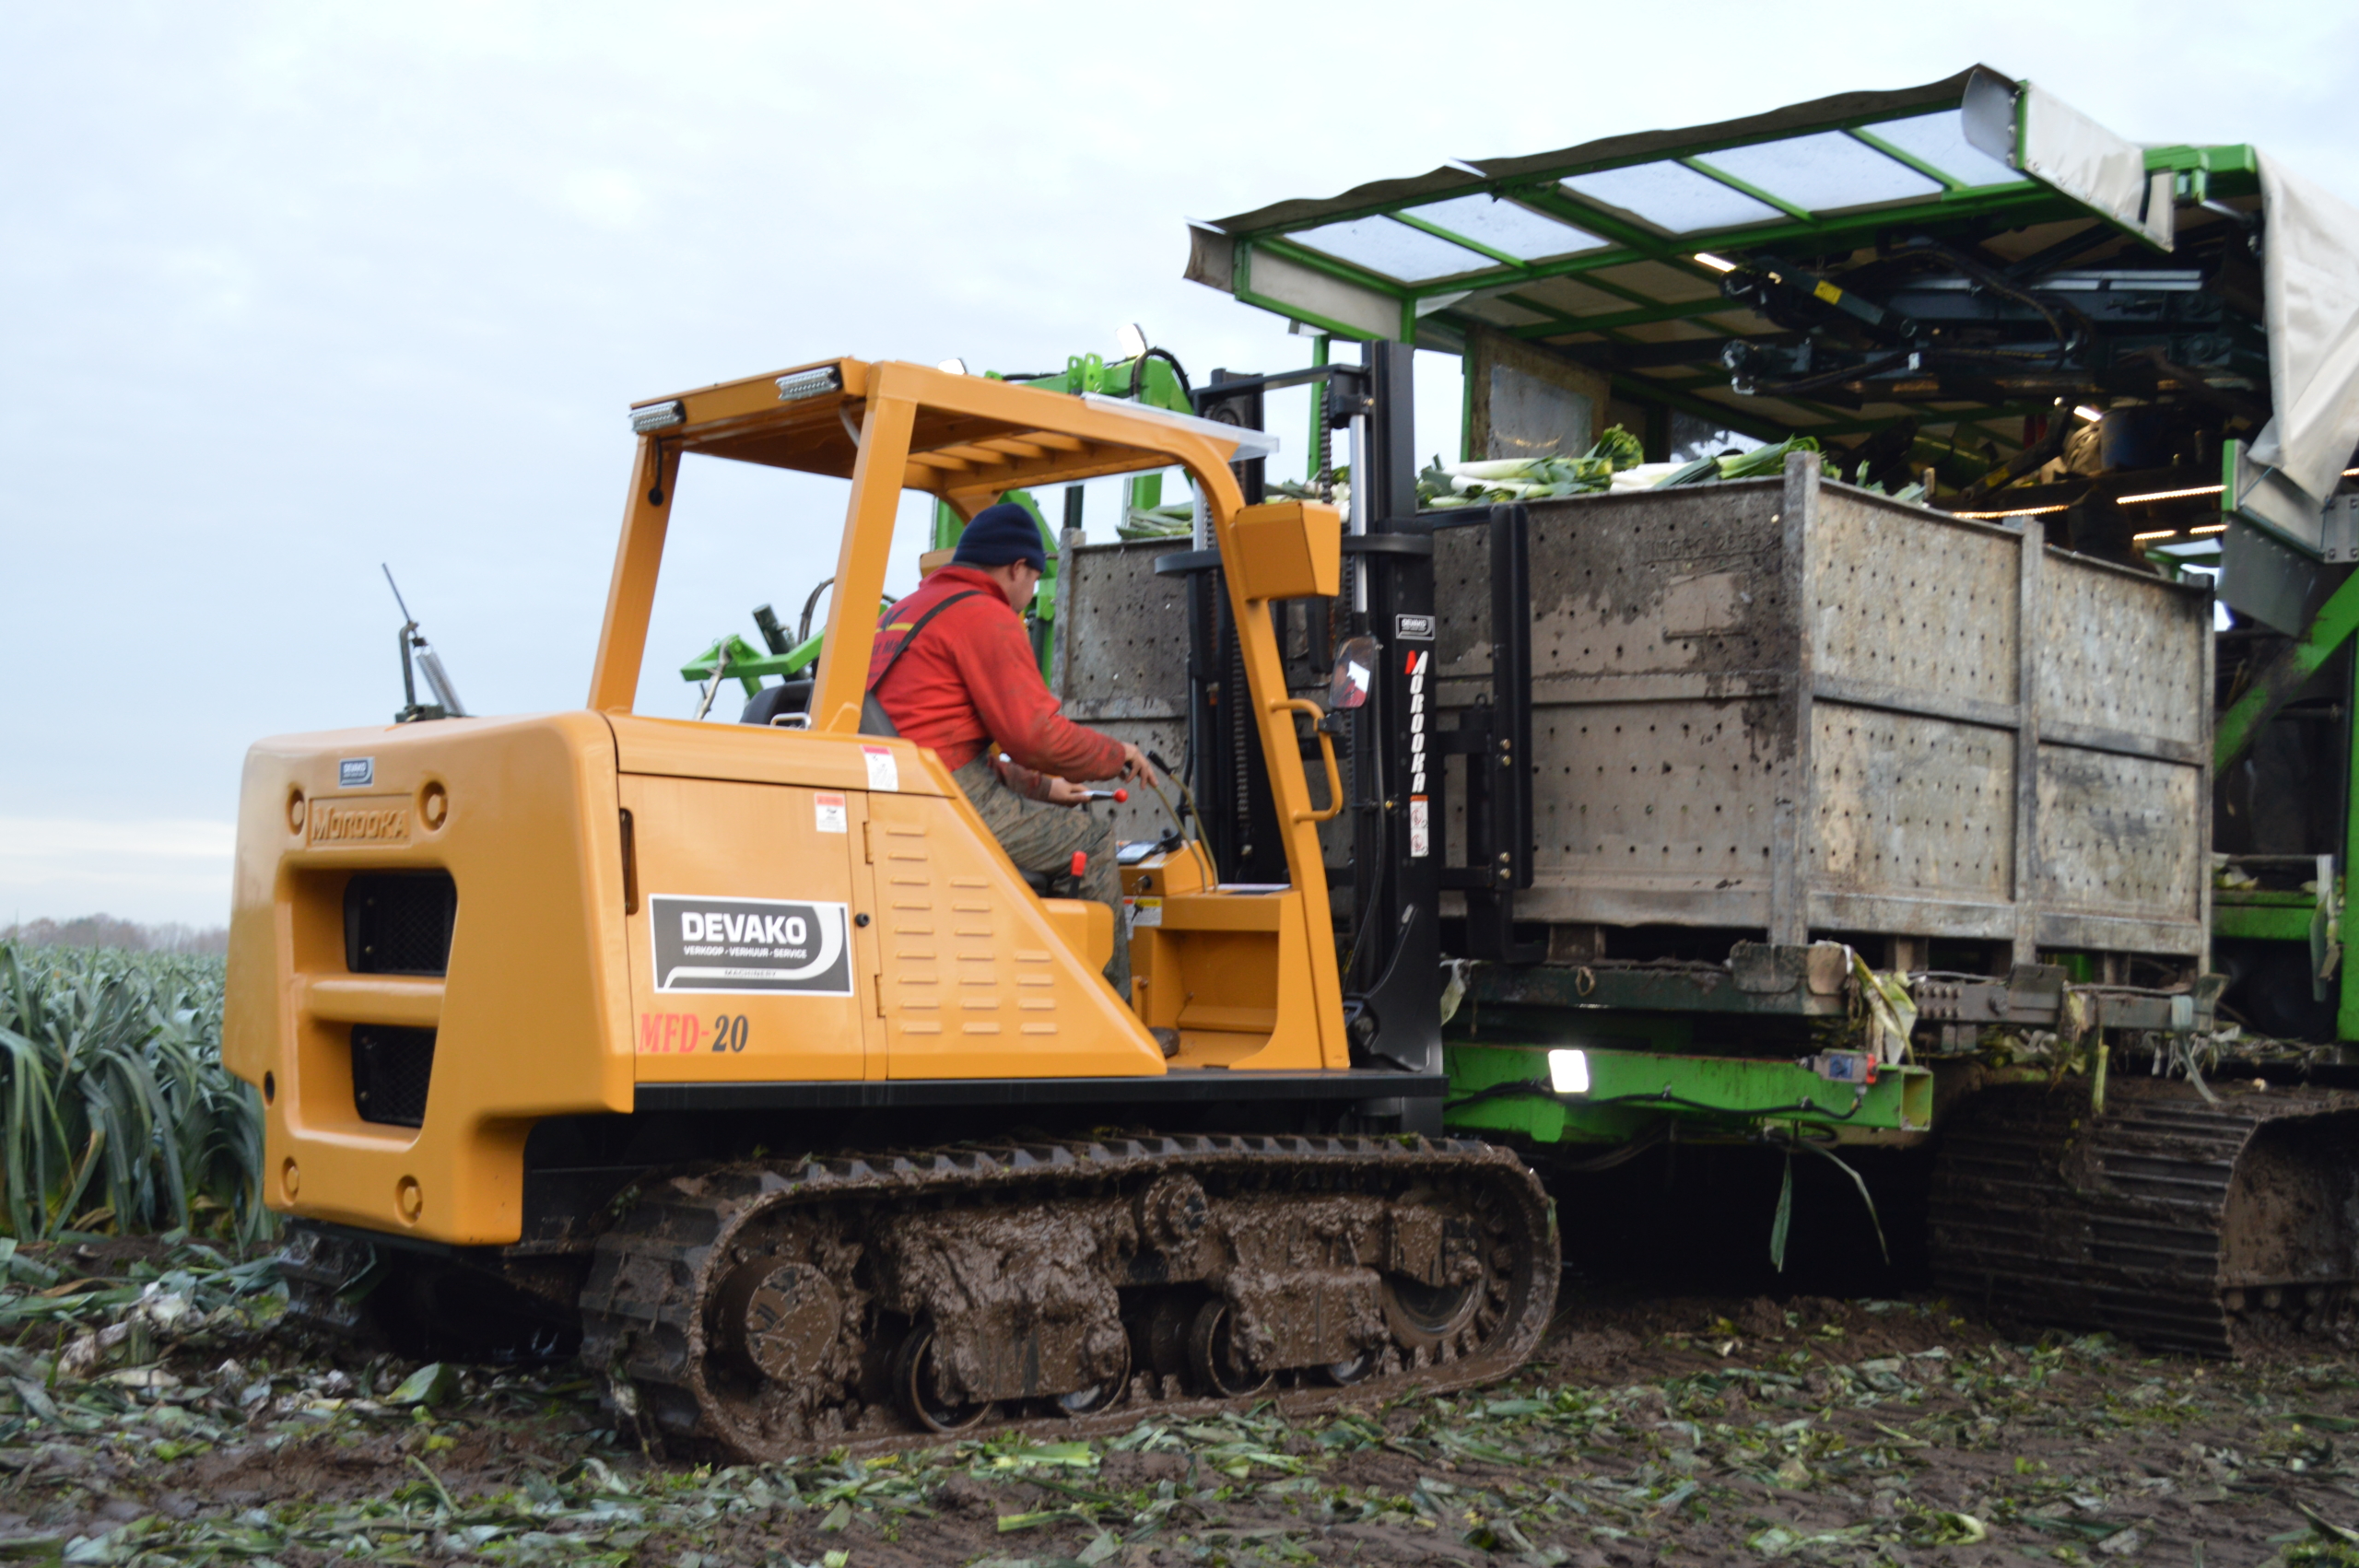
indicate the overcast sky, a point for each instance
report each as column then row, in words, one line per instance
column 285, row 291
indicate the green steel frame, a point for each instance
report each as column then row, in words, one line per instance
column 1647, row 290
column 2258, row 914
column 1508, row 1089
column 1438, row 311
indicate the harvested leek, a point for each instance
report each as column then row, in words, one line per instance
column 1176, row 520
column 1339, row 496
column 1764, row 460
column 1621, row 448
column 1754, row 465
column 1443, row 486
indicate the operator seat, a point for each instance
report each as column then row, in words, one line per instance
column 772, row 703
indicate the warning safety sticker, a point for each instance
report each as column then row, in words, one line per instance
column 750, row 945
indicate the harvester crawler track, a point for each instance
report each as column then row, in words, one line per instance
column 2172, row 1220
column 892, row 1300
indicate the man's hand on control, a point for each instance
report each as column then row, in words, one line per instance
column 1066, row 792
column 1136, row 766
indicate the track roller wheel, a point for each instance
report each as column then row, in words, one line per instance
column 1427, row 1317
column 777, row 1323
column 1344, row 1373
column 917, row 1387
column 1213, row 1355
column 1100, row 1394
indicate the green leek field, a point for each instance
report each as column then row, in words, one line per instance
column 157, row 1411
column 118, row 1114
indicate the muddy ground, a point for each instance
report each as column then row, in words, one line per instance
column 155, row 1413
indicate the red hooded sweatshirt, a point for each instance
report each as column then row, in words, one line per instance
column 971, row 679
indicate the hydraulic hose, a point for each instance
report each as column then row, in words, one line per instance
column 1138, row 375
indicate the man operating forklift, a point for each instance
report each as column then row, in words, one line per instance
column 952, row 670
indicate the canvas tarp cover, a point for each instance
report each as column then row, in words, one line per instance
column 2310, row 272
column 1441, row 181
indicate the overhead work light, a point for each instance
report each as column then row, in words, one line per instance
column 810, row 383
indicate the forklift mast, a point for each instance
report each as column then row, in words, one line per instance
column 1389, row 930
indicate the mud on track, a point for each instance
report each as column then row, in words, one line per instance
column 1684, row 1430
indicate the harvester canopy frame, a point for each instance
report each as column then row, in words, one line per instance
column 1620, row 254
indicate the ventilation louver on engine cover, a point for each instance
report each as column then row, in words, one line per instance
column 399, row 922
column 391, row 1070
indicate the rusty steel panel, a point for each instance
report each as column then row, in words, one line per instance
column 1684, row 582
column 2116, row 835
column 1917, row 609
column 1642, row 807
column 1122, row 633
column 1660, row 645
column 2117, row 653
column 1910, row 806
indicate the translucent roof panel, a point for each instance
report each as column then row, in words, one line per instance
column 1500, row 312
column 1656, row 283
column 1672, row 197
column 1939, row 140
column 1519, row 232
column 1823, row 172
column 1572, row 296
column 1393, row 249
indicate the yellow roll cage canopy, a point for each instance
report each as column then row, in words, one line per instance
column 890, row 426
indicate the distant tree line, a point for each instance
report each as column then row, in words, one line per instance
column 105, row 931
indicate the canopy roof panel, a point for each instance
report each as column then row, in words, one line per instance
column 1672, row 197
column 1592, row 251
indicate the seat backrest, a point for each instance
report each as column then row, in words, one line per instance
column 771, row 703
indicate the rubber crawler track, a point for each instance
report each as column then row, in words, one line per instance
column 319, row 1267
column 2123, row 1221
column 643, row 1305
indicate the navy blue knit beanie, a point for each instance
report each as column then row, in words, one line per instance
column 1000, row 534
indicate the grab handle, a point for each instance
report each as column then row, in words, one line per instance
column 1326, row 756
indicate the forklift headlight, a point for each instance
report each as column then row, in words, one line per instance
column 658, row 416
column 1568, row 1072
column 809, row 383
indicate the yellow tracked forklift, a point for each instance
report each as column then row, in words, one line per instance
column 742, row 1058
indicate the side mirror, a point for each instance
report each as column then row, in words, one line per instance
column 1354, row 672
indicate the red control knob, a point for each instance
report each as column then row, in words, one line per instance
column 1121, row 795
column 1080, row 863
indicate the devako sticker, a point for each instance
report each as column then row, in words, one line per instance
column 750, row 946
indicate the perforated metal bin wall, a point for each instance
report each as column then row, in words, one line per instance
column 1120, row 658
column 1791, row 705
column 1121, row 665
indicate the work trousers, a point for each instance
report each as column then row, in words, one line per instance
column 1040, row 838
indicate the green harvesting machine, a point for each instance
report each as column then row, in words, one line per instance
column 1875, row 682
